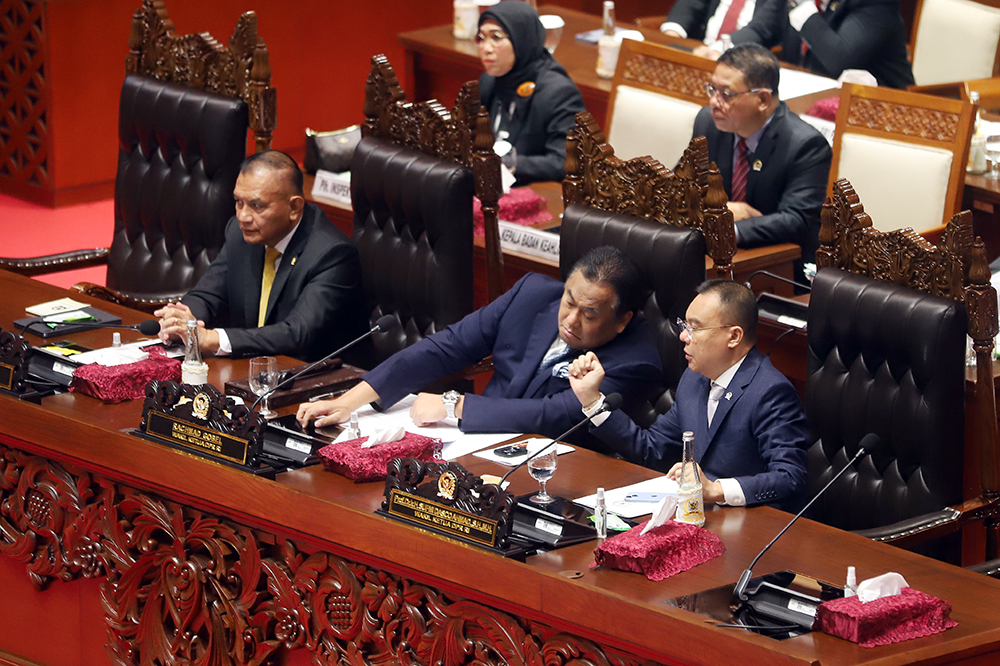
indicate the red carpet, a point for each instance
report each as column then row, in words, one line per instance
column 30, row 230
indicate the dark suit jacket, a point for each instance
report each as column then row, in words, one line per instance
column 765, row 26
column 790, row 187
column 539, row 124
column 316, row 302
column 517, row 329
column 853, row 34
column 759, row 434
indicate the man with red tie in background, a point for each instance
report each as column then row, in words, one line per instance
column 774, row 165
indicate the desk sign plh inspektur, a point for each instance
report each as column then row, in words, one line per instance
column 201, row 420
column 447, row 499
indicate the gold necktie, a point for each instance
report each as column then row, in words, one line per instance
column 270, row 257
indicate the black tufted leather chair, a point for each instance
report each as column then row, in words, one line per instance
column 672, row 260
column 886, row 359
column 413, row 230
column 179, row 152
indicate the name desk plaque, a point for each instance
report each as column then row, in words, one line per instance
column 15, row 354
column 201, row 420
column 445, row 498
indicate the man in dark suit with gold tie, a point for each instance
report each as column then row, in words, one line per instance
column 287, row 281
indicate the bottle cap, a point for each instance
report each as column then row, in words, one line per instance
column 116, row 339
column 600, row 493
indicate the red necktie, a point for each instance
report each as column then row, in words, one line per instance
column 741, row 168
column 728, row 26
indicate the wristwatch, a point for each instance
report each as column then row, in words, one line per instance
column 450, row 399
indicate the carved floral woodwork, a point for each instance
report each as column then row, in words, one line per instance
column 850, row 242
column 461, row 135
column 666, row 75
column 241, row 69
column 904, row 119
column 691, row 196
column 182, row 586
column 25, row 142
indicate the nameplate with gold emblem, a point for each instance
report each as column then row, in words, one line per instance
column 201, row 420
column 447, row 499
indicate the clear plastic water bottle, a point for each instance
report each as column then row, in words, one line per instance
column 608, row 45
column 194, row 370
column 690, row 506
column 601, row 515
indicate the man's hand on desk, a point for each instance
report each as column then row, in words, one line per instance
column 173, row 325
column 429, row 408
column 742, row 210
column 707, row 52
column 711, row 491
column 585, row 376
column 338, row 410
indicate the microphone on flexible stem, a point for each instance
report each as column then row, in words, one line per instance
column 148, row 327
column 869, row 442
column 611, row 403
column 769, row 274
column 384, row 323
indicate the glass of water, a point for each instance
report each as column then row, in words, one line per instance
column 993, row 153
column 541, row 469
column 263, row 379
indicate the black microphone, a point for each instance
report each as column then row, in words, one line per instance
column 611, row 403
column 807, row 287
column 869, row 442
column 148, row 327
column 384, row 323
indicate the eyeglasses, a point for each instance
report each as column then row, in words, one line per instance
column 728, row 96
column 495, row 37
column 691, row 330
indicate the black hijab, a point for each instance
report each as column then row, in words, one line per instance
column 527, row 36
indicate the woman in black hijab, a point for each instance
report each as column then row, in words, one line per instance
column 530, row 97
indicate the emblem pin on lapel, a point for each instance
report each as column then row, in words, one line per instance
column 757, row 165
column 293, row 260
column 729, row 395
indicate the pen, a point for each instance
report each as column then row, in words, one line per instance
column 324, row 396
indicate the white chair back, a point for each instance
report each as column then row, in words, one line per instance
column 956, row 40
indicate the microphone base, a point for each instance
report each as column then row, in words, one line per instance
column 787, row 598
column 303, row 388
column 765, row 611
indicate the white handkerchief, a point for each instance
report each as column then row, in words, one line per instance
column 384, row 436
column 885, row 585
column 665, row 510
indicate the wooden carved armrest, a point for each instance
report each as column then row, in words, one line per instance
column 112, row 296
column 936, row 524
column 56, row 263
column 486, row 365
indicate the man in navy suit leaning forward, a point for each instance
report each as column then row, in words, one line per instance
column 750, row 431
column 533, row 332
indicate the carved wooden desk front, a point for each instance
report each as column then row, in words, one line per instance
column 168, row 558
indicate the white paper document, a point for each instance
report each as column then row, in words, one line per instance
column 456, row 442
column 794, row 83
column 535, row 444
column 53, row 307
column 615, row 498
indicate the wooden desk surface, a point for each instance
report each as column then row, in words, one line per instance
column 62, row 458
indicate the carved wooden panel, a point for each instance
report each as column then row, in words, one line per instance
column 461, row 135
column 183, row 586
column 665, row 75
column 848, row 241
column 903, row 119
column 25, row 142
column 241, row 69
column 692, row 196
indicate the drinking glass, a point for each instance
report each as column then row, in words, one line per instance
column 541, row 469
column 993, row 152
column 263, row 379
